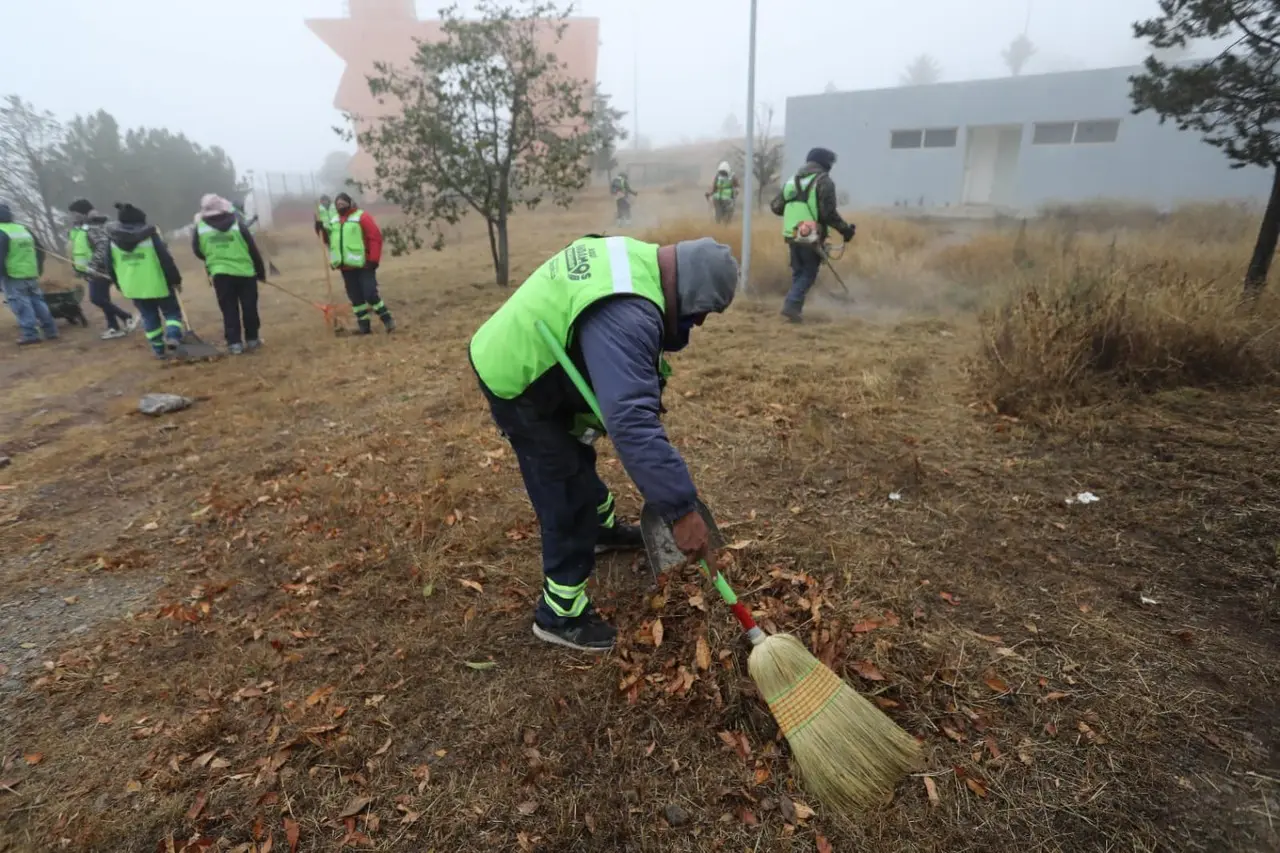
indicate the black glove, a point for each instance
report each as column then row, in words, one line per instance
column 373, row 265
column 848, row 231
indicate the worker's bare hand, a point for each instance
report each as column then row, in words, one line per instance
column 692, row 537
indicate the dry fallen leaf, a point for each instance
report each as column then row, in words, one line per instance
column 931, row 789
column 33, row 758
column 787, row 808
column 996, row 683
column 133, row 786
column 657, row 633
column 824, row 846
column 410, row 818
column 949, row 598
column 867, row 670
column 291, row 832
column 702, row 654
column 357, row 805
column 320, row 694
column 197, row 806
column 528, row 807
column 375, row 700
column 470, row 584
column 103, row 719
column 803, row 812
column 865, row 626
column 382, row 750
column 481, row 665
column 976, row 785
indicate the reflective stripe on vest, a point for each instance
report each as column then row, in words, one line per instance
column 21, row 262
column 81, row 251
column 801, row 197
column 225, row 252
column 346, row 242
column 138, row 271
column 724, row 187
column 508, row 352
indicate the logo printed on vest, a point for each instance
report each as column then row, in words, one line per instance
column 577, row 260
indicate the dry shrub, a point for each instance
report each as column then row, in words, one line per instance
column 1061, row 339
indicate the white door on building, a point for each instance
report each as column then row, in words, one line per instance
column 991, row 164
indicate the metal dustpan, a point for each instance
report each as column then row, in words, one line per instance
column 192, row 347
column 660, row 542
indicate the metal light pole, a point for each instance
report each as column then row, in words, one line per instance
column 750, row 164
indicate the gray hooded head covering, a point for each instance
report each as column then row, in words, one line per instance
column 706, row 276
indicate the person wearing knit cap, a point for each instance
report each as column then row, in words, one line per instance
column 140, row 264
column 88, row 247
column 807, row 205
column 615, row 305
column 21, row 264
column 223, row 241
column 355, row 248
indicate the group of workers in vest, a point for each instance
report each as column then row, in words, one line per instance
column 355, row 248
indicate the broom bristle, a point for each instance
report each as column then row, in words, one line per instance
column 850, row 755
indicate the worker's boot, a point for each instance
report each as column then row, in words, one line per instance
column 619, row 537
column 387, row 320
column 585, row 633
column 363, row 326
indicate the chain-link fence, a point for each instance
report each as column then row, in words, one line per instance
column 285, row 198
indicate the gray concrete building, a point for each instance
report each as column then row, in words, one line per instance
column 1011, row 143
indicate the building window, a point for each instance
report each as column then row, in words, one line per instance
column 940, row 138
column 1097, row 131
column 905, row 138
column 1053, row 133
column 1077, row 132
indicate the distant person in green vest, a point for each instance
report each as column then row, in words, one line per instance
column 141, row 266
column 615, row 305
column 724, row 193
column 88, row 251
column 325, row 214
column 355, row 248
column 21, row 263
column 223, row 241
column 621, row 190
column 807, row 205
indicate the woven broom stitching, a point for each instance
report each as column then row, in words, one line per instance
column 798, row 706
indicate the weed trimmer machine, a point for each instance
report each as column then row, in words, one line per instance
column 849, row 754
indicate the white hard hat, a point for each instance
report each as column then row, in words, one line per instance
column 724, row 166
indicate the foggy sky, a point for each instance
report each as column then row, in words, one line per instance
column 249, row 76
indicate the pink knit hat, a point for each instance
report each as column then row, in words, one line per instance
column 212, row 204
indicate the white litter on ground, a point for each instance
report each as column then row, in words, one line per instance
column 1084, row 498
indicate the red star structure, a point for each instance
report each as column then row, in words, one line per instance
column 385, row 31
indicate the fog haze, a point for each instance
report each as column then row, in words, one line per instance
column 249, row 76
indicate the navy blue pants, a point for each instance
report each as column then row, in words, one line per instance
column 570, row 499
column 805, row 263
column 100, row 295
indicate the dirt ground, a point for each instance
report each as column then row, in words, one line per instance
column 296, row 615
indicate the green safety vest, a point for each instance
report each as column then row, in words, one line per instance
column 325, row 214
column 346, row 242
column 21, row 262
column 138, row 272
column 507, row 351
column 225, row 252
column 801, row 200
column 724, row 187
column 81, row 251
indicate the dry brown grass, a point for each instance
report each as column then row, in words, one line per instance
column 311, row 649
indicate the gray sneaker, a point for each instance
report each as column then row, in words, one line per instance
column 252, row 345
column 586, row 633
column 236, row 349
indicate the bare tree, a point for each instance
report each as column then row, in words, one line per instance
column 30, row 168
column 923, row 71
column 1018, row 53
column 767, row 156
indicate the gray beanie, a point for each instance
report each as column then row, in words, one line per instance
column 706, row 276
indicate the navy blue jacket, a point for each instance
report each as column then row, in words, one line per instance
column 617, row 345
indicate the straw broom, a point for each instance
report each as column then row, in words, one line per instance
column 849, row 753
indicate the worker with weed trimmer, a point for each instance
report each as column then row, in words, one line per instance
column 140, row 264
column 807, row 205
column 724, row 193
column 612, row 306
column 355, row 248
column 89, row 246
column 223, row 241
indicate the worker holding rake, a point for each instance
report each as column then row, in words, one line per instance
column 355, row 247
column 140, row 264
column 223, row 241
column 615, row 305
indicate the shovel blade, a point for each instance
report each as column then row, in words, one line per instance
column 660, row 543
column 194, row 348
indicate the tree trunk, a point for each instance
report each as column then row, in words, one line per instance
column 503, row 267
column 493, row 249
column 1265, row 249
